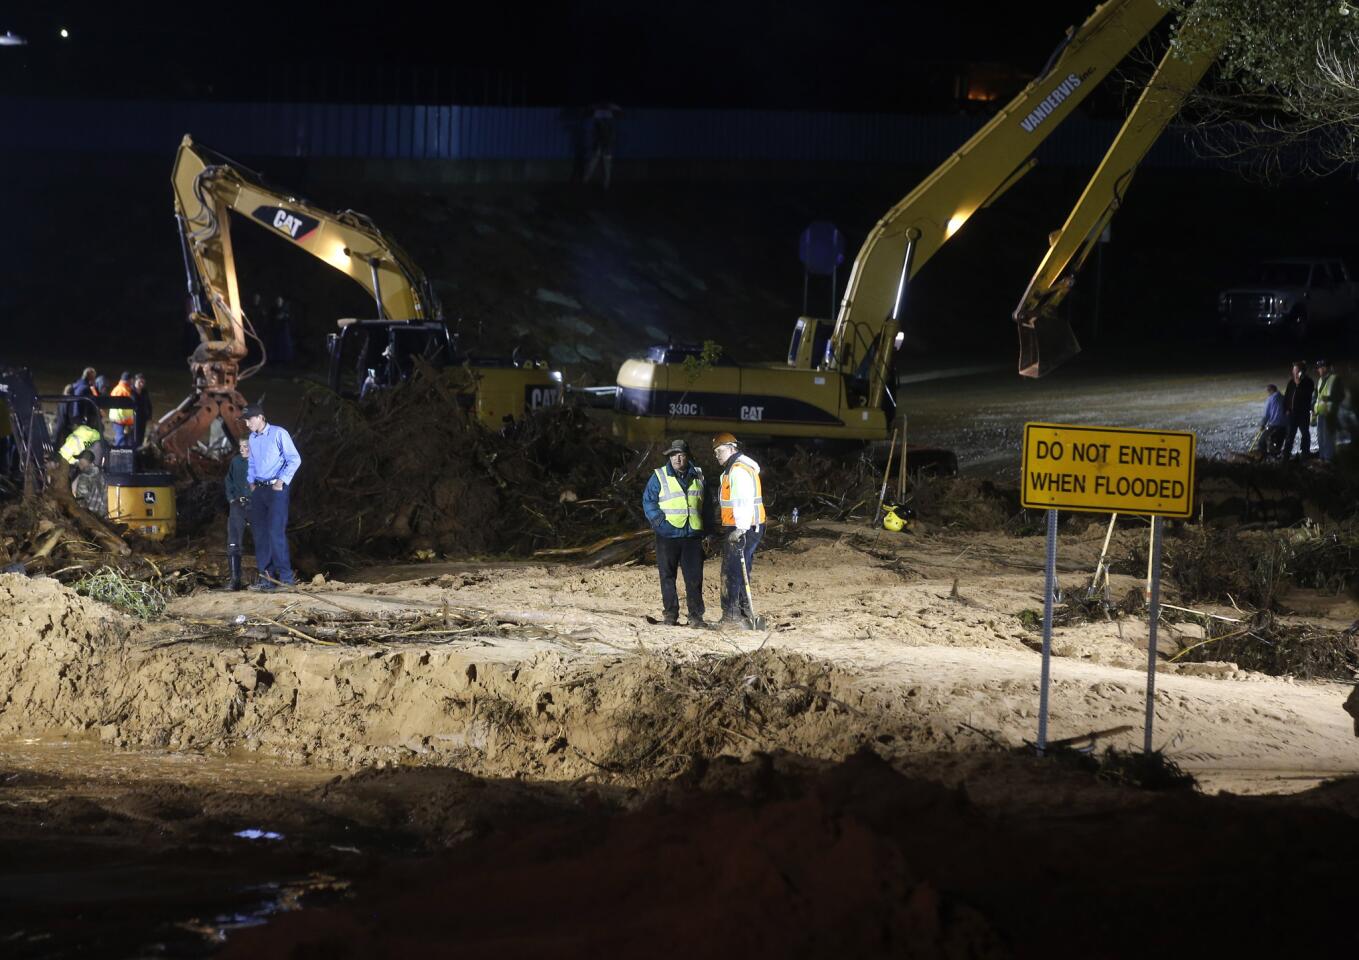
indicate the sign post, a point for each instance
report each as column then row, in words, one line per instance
column 1106, row 470
column 1154, row 612
column 1049, row 588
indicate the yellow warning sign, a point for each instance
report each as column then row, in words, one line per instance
column 1108, row 469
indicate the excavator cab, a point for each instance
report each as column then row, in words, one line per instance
column 811, row 336
column 378, row 354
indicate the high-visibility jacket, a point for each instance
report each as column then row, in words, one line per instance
column 80, row 440
column 682, row 506
column 744, row 463
column 122, row 415
column 1325, row 403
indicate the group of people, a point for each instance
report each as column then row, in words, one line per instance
column 129, row 422
column 1303, row 405
column 257, row 481
column 680, row 511
column 275, row 324
column 80, row 429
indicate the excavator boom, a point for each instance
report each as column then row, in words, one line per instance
column 1045, row 339
column 208, row 184
column 975, row 175
column 208, row 187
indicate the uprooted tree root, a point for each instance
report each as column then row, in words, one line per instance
column 1128, row 768
column 1085, row 607
column 966, row 503
column 1225, row 565
column 410, row 472
column 719, row 704
column 1265, row 645
column 1254, row 568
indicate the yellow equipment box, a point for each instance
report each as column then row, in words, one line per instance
column 143, row 501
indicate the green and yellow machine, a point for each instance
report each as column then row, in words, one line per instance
column 141, row 500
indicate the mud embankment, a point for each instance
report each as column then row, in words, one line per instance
column 72, row 666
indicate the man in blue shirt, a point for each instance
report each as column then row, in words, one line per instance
column 1274, row 424
column 273, row 463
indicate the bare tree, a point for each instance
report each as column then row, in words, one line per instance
column 1283, row 97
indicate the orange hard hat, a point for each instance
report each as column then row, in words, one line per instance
column 724, row 438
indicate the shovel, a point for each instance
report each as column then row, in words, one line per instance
column 756, row 622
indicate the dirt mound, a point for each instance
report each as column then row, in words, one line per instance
column 52, row 641
column 479, row 707
column 1232, row 491
column 966, row 503
column 409, row 471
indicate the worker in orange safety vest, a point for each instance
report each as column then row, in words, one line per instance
column 743, row 519
column 123, row 418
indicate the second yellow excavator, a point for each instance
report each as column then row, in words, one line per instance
column 363, row 354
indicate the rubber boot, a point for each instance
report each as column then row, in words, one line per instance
column 235, row 561
column 731, row 615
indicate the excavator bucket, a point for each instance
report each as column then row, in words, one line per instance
column 1045, row 343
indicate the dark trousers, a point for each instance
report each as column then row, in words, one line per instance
column 735, row 603
column 681, row 553
column 122, row 437
column 1304, row 424
column 237, row 517
column 269, row 520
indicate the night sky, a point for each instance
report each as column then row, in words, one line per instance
column 814, row 54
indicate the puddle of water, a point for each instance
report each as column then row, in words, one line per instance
column 78, row 760
column 255, row 833
column 84, row 864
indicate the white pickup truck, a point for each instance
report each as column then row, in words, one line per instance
column 1295, row 295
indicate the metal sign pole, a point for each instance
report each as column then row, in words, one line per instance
column 1154, row 613
column 1048, row 590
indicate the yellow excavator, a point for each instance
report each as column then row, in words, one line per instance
column 836, row 383
column 363, row 354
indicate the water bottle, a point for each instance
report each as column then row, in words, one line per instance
column 795, row 516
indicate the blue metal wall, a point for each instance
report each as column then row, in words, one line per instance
column 519, row 133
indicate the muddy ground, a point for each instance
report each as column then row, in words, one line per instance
column 533, row 735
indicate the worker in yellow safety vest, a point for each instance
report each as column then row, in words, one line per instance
column 673, row 504
column 82, row 438
column 1324, row 410
column 123, row 418
column 742, row 503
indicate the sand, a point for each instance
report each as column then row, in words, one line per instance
column 903, row 644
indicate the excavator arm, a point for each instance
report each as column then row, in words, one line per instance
column 993, row 160
column 208, row 187
column 1045, row 339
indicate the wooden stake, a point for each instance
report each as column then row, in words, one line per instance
column 882, row 494
column 1101, row 568
column 1151, row 542
column 901, row 471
